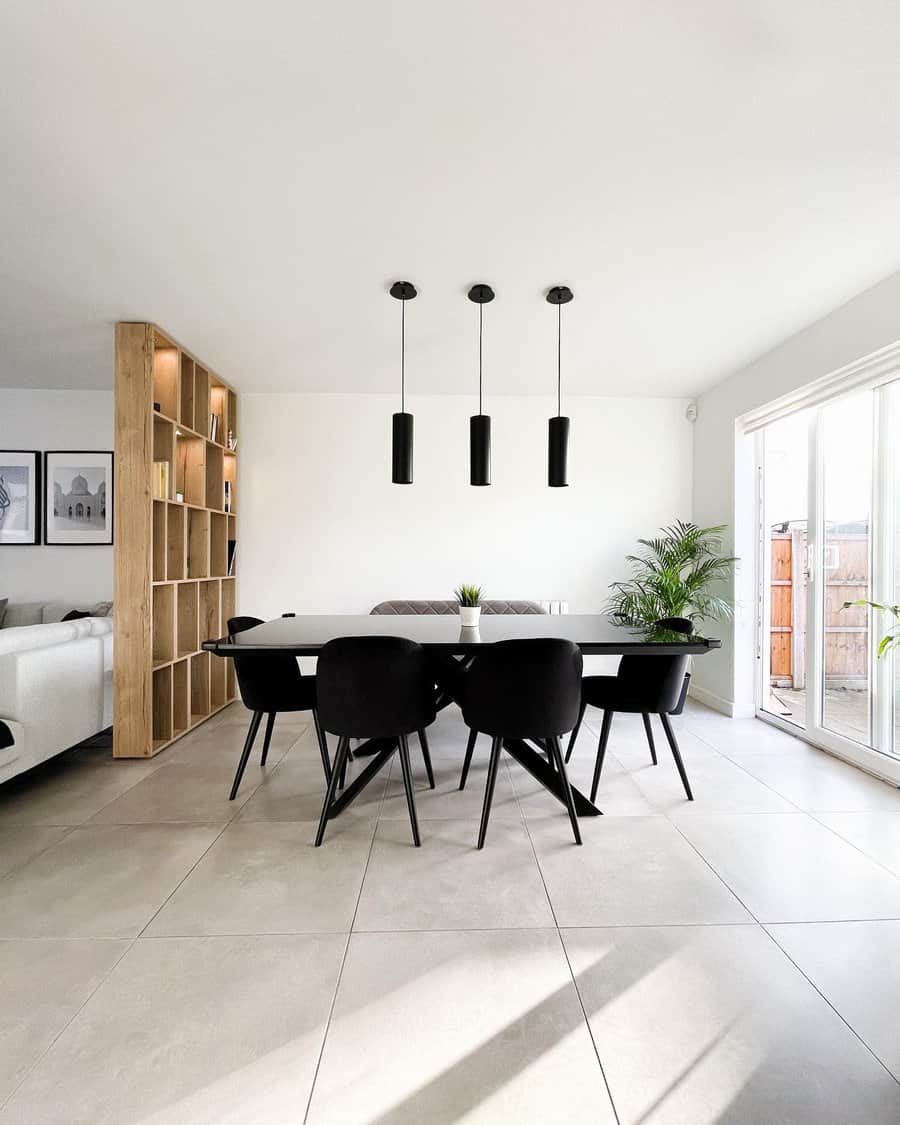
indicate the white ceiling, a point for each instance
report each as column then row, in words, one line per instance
column 708, row 176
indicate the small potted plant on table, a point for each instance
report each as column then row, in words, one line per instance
column 469, row 598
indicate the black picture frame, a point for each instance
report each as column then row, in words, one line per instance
column 32, row 536
column 76, row 537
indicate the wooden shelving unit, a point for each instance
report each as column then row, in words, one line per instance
column 173, row 588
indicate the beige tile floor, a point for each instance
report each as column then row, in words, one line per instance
column 169, row 957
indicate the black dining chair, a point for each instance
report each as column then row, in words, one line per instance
column 645, row 686
column 528, row 689
column 375, row 687
column 270, row 683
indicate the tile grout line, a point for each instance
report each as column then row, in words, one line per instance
column 565, row 953
column 340, row 974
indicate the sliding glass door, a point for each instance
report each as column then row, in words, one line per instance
column 829, row 533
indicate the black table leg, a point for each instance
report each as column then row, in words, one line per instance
column 356, row 786
column 374, row 746
column 541, row 770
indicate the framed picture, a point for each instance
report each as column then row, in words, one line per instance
column 78, row 491
column 20, row 497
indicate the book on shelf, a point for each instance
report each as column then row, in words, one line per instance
column 228, row 496
column 232, row 543
column 160, row 481
column 213, row 426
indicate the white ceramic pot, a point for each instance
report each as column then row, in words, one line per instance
column 469, row 615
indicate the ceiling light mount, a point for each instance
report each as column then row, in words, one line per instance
column 404, row 290
column 481, row 294
column 560, row 295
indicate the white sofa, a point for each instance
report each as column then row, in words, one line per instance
column 55, row 688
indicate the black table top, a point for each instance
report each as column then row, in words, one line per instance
column 595, row 634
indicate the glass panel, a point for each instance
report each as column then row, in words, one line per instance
column 847, row 497
column 784, row 521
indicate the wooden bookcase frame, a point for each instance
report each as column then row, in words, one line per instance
column 173, row 589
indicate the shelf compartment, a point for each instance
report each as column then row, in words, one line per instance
column 199, row 687
column 159, row 540
column 201, row 399
column 228, row 601
column 175, row 545
column 218, row 545
column 162, row 705
column 218, row 407
column 232, row 417
column 211, row 625
column 163, row 624
column 165, row 378
column 186, row 413
column 198, row 543
column 190, row 472
column 187, row 618
column 181, row 697
column 229, row 472
column 215, row 476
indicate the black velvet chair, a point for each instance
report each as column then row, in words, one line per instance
column 645, row 686
column 528, row 689
column 375, row 687
column 270, row 683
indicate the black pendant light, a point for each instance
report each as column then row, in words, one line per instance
column 480, row 423
column 402, row 439
column 558, row 447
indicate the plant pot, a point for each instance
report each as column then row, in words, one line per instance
column 679, row 706
column 469, row 616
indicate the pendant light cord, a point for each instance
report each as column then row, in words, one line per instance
column 558, row 361
column 403, row 357
column 480, row 319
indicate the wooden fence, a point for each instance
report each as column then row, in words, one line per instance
column 846, row 631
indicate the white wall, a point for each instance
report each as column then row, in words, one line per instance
column 723, row 491
column 45, row 420
column 322, row 529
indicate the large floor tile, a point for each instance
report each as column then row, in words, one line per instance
column 704, row 1025
column 266, row 877
column 618, row 794
column 448, row 883
column 296, row 791
column 737, row 738
column 630, row 871
column 222, row 744
column 20, row 844
column 100, row 881
column 875, row 833
column 789, row 868
column 195, row 1030
column 182, row 792
column 718, row 785
column 67, row 793
column 817, row 781
column 856, row 967
column 441, row 1028
column 42, row 986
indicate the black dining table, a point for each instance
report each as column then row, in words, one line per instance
column 442, row 635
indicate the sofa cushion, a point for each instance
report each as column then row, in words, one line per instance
column 76, row 614
column 23, row 613
column 28, row 637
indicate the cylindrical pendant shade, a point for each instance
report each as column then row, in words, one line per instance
column 402, row 449
column 480, row 449
column 558, row 453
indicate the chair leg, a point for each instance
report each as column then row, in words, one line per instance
column 323, row 745
column 601, row 752
column 467, row 761
column 566, row 788
column 245, row 753
column 426, row 757
column 493, row 766
column 648, row 730
column 270, row 726
column 340, row 758
column 408, row 786
column 676, row 754
column 574, row 733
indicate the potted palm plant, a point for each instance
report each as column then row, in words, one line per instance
column 671, row 584
column 469, row 598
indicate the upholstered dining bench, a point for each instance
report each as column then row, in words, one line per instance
column 444, row 608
